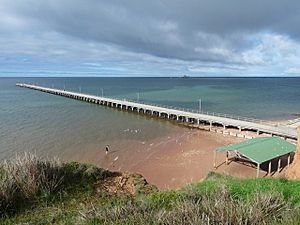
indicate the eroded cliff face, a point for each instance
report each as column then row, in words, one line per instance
column 293, row 172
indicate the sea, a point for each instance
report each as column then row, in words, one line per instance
column 49, row 125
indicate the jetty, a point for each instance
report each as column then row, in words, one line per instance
column 176, row 114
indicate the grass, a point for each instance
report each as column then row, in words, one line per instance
column 41, row 191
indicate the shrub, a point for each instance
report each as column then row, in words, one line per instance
column 26, row 178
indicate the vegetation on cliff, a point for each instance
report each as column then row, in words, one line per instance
column 39, row 191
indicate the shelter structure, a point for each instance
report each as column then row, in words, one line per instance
column 258, row 150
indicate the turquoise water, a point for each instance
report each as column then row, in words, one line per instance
column 53, row 125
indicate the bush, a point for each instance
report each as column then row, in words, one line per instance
column 83, row 175
column 26, row 178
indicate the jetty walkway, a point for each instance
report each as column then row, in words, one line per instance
column 180, row 115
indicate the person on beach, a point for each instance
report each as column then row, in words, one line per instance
column 106, row 149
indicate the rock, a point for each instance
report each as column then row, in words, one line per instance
column 124, row 184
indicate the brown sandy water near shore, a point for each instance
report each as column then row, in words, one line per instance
column 169, row 162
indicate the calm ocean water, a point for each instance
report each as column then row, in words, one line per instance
column 53, row 125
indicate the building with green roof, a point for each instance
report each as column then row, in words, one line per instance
column 259, row 150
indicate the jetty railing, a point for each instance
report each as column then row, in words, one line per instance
column 229, row 116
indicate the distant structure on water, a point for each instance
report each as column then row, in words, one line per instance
column 185, row 76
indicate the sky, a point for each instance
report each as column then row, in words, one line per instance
column 149, row 38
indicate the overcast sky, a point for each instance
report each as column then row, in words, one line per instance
column 149, row 38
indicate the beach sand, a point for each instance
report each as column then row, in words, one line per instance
column 170, row 162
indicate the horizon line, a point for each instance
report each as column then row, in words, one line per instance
column 181, row 77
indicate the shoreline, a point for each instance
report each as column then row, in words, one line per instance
column 171, row 162
column 177, row 159
column 293, row 123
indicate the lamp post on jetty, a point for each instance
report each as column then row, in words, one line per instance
column 102, row 92
column 138, row 96
column 200, row 105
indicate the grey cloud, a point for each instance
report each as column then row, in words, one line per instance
column 201, row 30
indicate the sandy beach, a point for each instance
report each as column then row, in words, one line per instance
column 170, row 162
column 183, row 156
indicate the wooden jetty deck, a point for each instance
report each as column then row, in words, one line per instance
column 176, row 114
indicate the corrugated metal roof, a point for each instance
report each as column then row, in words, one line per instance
column 261, row 149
